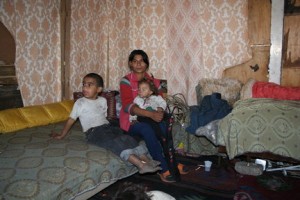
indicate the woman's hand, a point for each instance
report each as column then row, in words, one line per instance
column 157, row 115
column 154, row 115
column 160, row 109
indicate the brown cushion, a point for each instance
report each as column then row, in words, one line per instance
column 111, row 102
column 246, row 91
column 227, row 87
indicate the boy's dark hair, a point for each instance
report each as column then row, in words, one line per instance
column 151, row 85
column 97, row 77
column 139, row 52
column 131, row 191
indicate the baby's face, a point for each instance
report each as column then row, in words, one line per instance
column 144, row 90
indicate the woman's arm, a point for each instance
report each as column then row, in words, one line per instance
column 129, row 107
column 155, row 115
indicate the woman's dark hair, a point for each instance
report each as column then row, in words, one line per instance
column 149, row 82
column 139, row 52
column 131, row 191
column 97, row 77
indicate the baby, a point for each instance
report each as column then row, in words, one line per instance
column 148, row 98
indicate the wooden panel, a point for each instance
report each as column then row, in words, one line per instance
column 8, row 46
column 259, row 21
column 244, row 71
column 7, row 70
column 259, row 27
column 10, row 97
column 291, row 51
column 8, row 80
column 291, row 77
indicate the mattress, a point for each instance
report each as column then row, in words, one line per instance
column 35, row 166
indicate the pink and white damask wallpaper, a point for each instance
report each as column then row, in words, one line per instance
column 35, row 26
column 186, row 40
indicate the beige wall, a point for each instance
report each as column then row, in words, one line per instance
column 185, row 40
column 35, row 28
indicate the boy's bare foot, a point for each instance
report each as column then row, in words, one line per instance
column 147, row 168
column 154, row 163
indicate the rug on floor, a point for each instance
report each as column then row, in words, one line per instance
column 219, row 183
column 270, row 185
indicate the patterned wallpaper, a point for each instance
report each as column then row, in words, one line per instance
column 35, row 27
column 88, row 41
column 103, row 45
column 204, row 37
column 186, row 40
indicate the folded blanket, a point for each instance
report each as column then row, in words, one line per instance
column 212, row 108
column 260, row 89
column 210, row 131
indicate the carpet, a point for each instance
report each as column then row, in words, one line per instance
column 270, row 185
column 220, row 183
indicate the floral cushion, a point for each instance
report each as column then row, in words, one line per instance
column 227, row 87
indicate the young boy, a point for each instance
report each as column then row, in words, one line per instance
column 91, row 110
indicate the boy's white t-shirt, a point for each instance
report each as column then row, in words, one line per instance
column 91, row 113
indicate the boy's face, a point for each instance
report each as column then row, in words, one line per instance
column 144, row 90
column 90, row 89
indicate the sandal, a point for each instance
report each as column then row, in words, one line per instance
column 182, row 169
column 167, row 177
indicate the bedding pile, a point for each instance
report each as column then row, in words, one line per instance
column 35, row 166
column 261, row 125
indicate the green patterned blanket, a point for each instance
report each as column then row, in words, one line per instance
column 35, row 166
column 261, row 125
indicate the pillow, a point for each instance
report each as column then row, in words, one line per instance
column 261, row 89
column 246, row 91
column 227, row 87
column 67, row 104
column 20, row 118
column 59, row 111
column 35, row 115
column 12, row 120
column 111, row 102
column 275, row 91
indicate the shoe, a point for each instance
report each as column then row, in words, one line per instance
column 167, row 177
column 182, row 169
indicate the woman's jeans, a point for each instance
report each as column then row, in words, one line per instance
column 147, row 133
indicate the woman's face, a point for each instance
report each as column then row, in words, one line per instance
column 137, row 65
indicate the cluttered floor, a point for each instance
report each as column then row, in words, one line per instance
column 221, row 182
